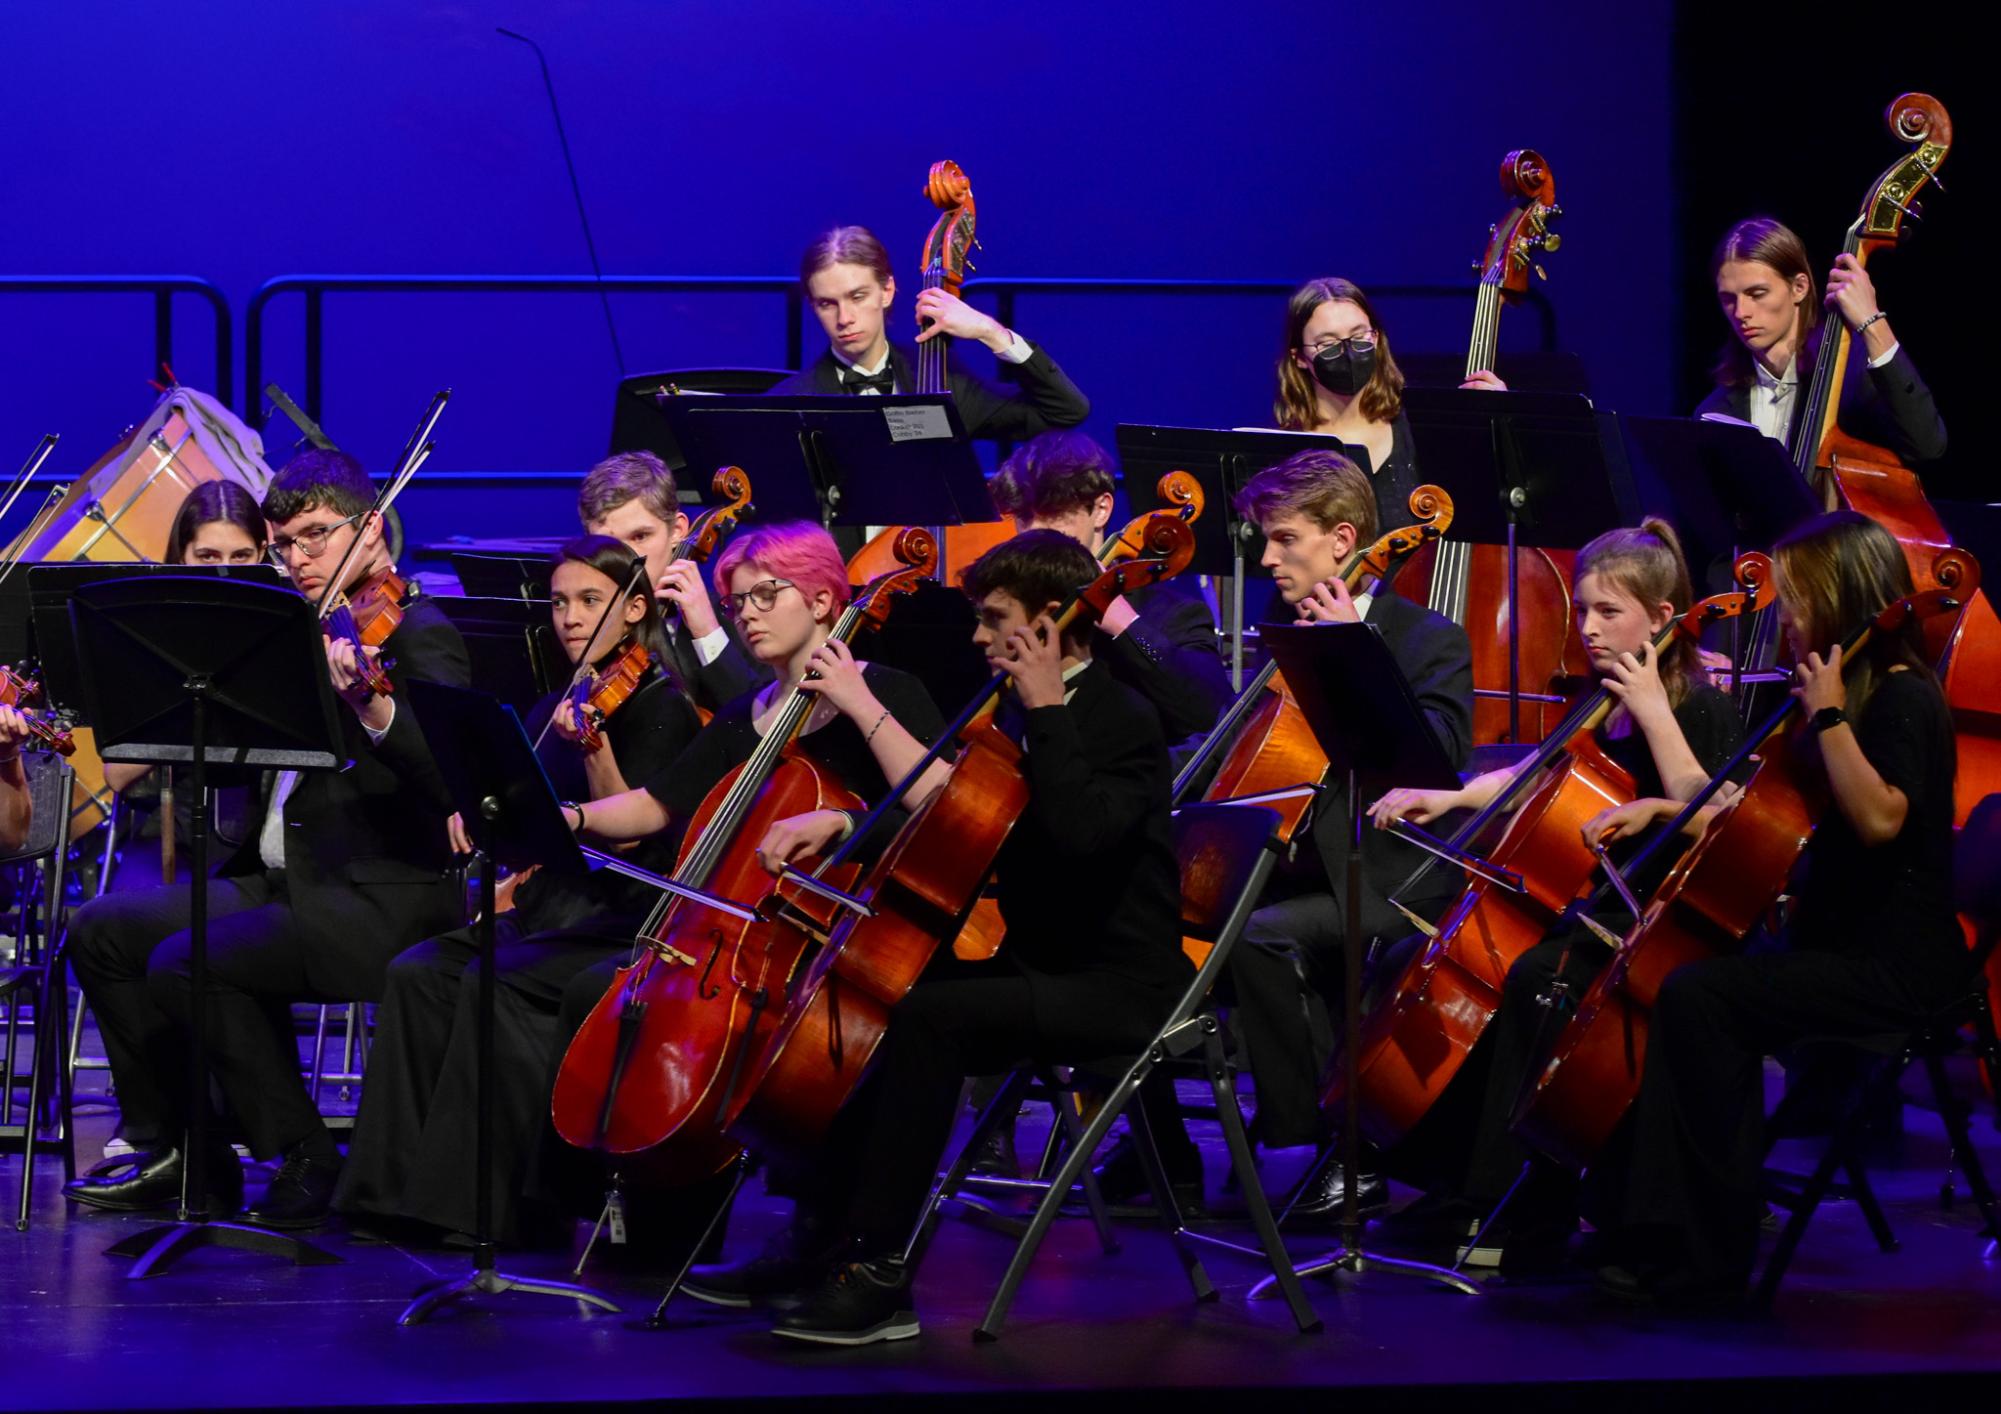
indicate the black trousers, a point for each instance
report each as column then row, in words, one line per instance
column 131, row 953
column 1691, row 1191
column 416, row 1133
column 1285, row 969
column 876, row 1166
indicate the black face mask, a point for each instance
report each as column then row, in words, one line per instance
column 1339, row 371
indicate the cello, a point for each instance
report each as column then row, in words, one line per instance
column 1716, row 894
column 944, row 264
column 1269, row 750
column 843, row 997
column 1413, row 1045
column 643, row 1078
column 1469, row 583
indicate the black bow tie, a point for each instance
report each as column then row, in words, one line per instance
column 859, row 383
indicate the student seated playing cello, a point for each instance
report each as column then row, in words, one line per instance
column 1092, row 962
column 1670, row 730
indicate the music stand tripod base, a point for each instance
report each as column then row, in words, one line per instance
column 484, row 1279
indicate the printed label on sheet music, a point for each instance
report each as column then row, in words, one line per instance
column 918, row 424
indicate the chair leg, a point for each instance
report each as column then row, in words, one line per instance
column 7, row 1075
column 1006, row 1100
column 1959, row 1134
column 1872, row 1211
column 42, row 1044
column 1148, row 1148
column 319, row 1054
column 1067, row 1112
column 1067, row 1173
column 57, row 981
column 1223, row 1085
column 1837, row 1154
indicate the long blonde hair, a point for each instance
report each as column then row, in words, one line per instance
column 1836, row 573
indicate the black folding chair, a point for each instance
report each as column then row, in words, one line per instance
column 1977, row 891
column 1226, row 853
column 36, row 984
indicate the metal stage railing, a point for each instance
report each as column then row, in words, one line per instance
column 163, row 289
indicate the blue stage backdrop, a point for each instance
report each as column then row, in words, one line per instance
column 241, row 141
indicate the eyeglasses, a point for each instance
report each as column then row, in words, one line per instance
column 310, row 543
column 1357, row 343
column 764, row 594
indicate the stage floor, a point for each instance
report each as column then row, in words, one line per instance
column 232, row 1330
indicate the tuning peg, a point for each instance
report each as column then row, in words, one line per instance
column 1550, row 241
column 1937, row 183
column 1540, row 273
column 1555, row 210
column 1476, row 266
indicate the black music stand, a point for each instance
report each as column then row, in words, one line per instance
column 1523, row 469
column 1725, row 486
column 1368, row 721
column 1222, row 461
column 174, row 668
column 511, row 813
column 841, row 460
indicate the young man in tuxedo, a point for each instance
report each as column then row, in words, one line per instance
column 850, row 290
column 340, row 872
column 1159, row 641
column 1316, row 510
column 631, row 496
column 1092, row 964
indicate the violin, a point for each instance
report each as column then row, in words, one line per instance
column 843, row 993
column 17, row 691
column 643, row 1080
column 1414, row 1044
column 1468, row 583
column 943, row 263
column 1271, row 751
column 365, row 616
column 599, row 692
column 1709, row 904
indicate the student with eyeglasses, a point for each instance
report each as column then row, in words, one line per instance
column 1338, row 378
column 340, row 871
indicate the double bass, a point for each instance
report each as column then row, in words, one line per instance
column 841, row 1000
column 944, row 263
column 644, row 1077
column 1268, row 750
column 1415, row 1043
column 1469, row 583
column 1716, row 894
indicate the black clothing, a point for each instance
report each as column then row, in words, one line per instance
column 733, row 673
column 1091, row 965
column 1888, row 406
column 1171, row 657
column 1396, row 478
column 1047, row 397
column 416, row 1131
column 1872, row 950
column 364, row 877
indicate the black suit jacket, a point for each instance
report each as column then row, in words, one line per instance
column 1087, row 881
column 366, row 861
column 1047, row 398
column 716, row 684
column 1169, row 655
column 1436, row 658
column 1888, row 406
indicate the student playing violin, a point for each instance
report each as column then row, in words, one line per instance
column 1872, row 944
column 1090, row 966
column 342, row 870
column 16, row 804
column 1670, row 730
column 414, row 1133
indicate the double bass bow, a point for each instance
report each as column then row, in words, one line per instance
column 1718, row 891
column 644, row 1076
column 943, row 263
column 1470, row 584
column 1267, row 748
column 842, row 995
column 1413, row 1045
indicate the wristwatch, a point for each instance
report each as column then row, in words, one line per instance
column 1827, row 717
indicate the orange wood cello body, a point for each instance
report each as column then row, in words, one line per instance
column 1418, row 1039
column 923, row 885
column 645, row 1079
column 1708, row 905
column 1274, row 751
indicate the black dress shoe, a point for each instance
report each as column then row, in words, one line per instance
column 996, row 1157
column 1323, row 1195
column 859, row 1304
column 778, row 1270
column 1122, row 1181
column 300, row 1195
column 153, row 1180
